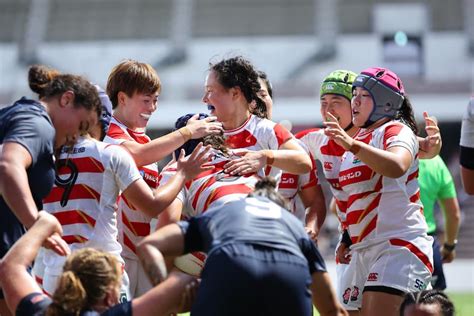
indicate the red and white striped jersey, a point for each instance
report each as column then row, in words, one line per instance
column 89, row 179
column 210, row 188
column 257, row 134
column 329, row 153
column 378, row 207
column 291, row 184
column 133, row 225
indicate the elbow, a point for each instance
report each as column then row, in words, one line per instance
column 304, row 164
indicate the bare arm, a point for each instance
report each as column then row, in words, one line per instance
column 467, row 176
column 313, row 200
column 324, row 296
column 154, row 249
column 290, row 157
column 452, row 217
column 157, row 149
column 15, row 281
column 14, row 187
column 171, row 214
column 153, row 202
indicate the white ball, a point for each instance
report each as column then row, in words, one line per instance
column 192, row 263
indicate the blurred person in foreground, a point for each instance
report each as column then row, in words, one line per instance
column 467, row 148
column 427, row 303
column 248, row 270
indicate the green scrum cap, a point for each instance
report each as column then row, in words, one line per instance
column 338, row 82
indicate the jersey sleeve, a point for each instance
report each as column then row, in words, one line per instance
column 282, row 134
column 33, row 304
column 193, row 240
column 123, row 166
column 399, row 135
column 33, row 131
column 447, row 188
column 315, row 260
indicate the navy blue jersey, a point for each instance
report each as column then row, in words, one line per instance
column 256, row 221
column 36, row 304
column 27, row 123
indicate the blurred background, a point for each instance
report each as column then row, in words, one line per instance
column 429, row 43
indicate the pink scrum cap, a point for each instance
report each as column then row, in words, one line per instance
column 386, row 89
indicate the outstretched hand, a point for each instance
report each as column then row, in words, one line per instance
column 200, row 128
column 431, row 144
column 250, row 162
column 335, row 132
column 194, row 164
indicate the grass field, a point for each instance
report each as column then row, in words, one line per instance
column 463, row 302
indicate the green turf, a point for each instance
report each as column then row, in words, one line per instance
column 463, row 303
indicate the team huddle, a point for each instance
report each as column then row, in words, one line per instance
column 230, row 225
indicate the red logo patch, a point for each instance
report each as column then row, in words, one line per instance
column 327, row 165
column 373, row 276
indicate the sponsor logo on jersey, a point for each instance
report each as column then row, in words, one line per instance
column 288, row 181
column 350, row 175
column 327, row 165
column 373, row 276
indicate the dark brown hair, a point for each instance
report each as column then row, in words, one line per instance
column 49, row 83
column 239, row 72
column 131, row 76
column 406, row 116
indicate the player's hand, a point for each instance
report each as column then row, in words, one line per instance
column 431, row 144
column 189, row 295
column 343, row 253
column 335, row 132
column 447, row 256
column 194, row 164
column 200, row 128
column 250, row 162
column 313, row 235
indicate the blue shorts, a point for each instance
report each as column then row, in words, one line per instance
column 247, row 279
column 438, row 280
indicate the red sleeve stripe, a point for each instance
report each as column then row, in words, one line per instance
column 412, row 176
column 367, row 230
column 355, row 217
column 415, row 197
column 39, row 280
column 341, row 205
column 415, row 250
column 226, row 190
column 137, row 228
column 305, row 132
column 117, row 133
column 74, row 217
column 83, row 164
column 282, row 134
column 74, row 239
column 79, row 191
column 391, row 131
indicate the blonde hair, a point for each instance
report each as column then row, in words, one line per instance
column 131, row 76
column 88, row 276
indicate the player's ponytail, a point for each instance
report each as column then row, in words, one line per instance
column 89, row 276
column 267, row 187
